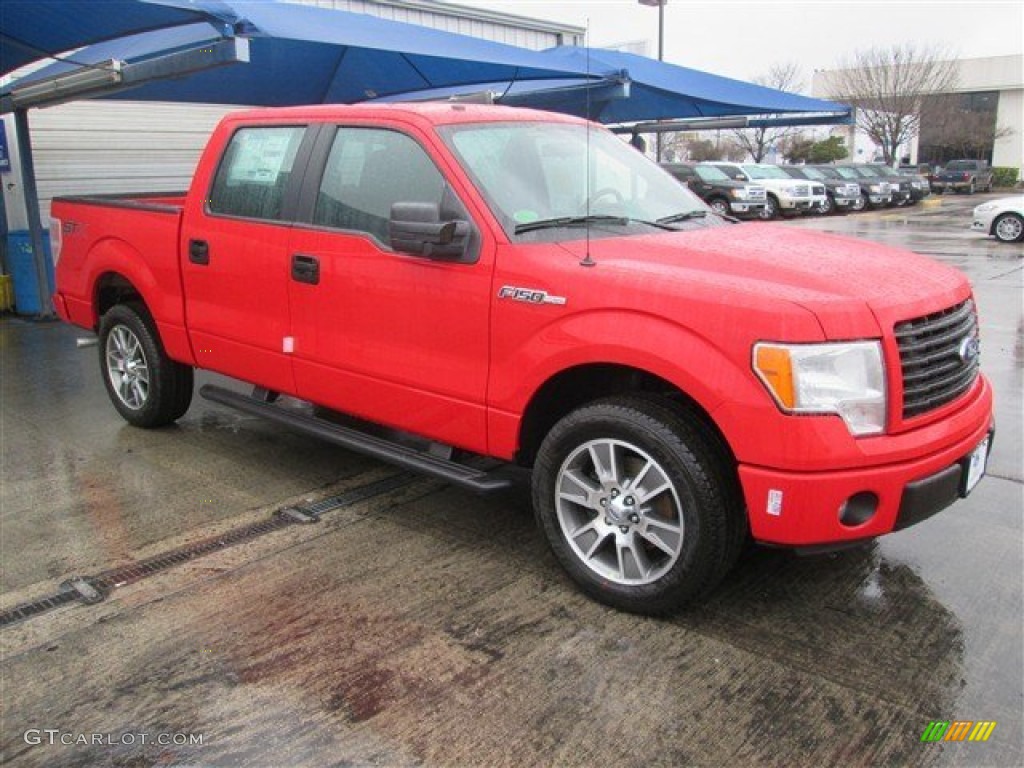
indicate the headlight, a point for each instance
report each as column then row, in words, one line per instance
column 986, row 207
column 741, row 193
column 844, row 378
column 876, row 188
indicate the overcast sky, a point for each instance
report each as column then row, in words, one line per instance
column 743, row 38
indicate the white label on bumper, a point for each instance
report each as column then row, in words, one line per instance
column 774, row 506
column 976, row 465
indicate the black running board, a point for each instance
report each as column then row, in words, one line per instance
column 481, row 481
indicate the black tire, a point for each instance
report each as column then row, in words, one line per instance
column 770, row 210
column 970, row 188
column 720, row 206
column 146, row 387
column 860, row 203
column 1008, row 228
column 678, row 471
column 829, row 206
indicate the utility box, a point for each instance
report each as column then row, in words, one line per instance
column 23, row 271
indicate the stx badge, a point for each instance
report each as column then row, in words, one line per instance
column 529, row 295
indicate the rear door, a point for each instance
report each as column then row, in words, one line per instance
column 235, row 256
column 393, row 338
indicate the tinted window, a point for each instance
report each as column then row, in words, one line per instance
column 368, row 170
column 254, row 172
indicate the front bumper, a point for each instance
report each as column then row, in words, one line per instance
column 845, row 202
column 737, row 207
column 876, row 199
column 811, row 509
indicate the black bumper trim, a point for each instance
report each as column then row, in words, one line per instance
column 929, row 496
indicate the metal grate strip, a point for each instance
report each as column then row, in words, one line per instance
column 105, row 581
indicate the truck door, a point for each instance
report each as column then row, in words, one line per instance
column 235, row 257
column 393, row 338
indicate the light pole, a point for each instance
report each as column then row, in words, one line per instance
column 661, row 56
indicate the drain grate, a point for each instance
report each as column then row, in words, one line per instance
column 93, row 589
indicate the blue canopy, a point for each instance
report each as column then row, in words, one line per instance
column 658, row 91
column 30, row 31
column 303, row 55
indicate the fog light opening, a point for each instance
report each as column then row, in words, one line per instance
column 858, row 509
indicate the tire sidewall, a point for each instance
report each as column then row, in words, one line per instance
column 999, row 220
column 686, row 576
column 136, row 320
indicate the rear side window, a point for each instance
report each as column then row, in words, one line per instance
column 255, row 171
column 369, row 170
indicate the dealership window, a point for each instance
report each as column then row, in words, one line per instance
column 254, row 172
column 369, row 170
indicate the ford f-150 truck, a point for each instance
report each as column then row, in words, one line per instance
column 527, row 287
column 964, row 176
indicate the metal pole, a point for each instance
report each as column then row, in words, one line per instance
column 661, row 57
column 35, row 224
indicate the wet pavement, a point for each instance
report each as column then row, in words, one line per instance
column 425, row 625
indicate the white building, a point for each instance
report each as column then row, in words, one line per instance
column 995, row 82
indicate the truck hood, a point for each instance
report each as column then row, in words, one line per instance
column 854, row 287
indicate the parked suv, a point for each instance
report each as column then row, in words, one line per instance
column 899, row 188
column 786, row 196
column 725, row 196
column 964, row 176
column 840, row 194
column 874, row 193
column 916, row 184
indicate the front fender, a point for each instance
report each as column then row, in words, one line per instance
column 704, row 370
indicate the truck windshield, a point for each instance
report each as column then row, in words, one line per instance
column 546, row 178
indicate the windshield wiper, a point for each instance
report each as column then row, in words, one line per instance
column 684, row 216
column 570, row 221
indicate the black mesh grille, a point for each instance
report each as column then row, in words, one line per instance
column 939, row 362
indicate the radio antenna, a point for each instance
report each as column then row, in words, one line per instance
column 587, row 261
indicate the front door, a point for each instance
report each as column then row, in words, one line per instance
column 396, row 339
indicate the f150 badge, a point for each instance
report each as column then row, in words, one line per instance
column 529, row 295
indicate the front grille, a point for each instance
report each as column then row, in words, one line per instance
column 756, row 193
column 817, row 189
column 801, row 191
column 938, row 355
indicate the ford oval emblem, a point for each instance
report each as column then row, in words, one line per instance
column 970, row 350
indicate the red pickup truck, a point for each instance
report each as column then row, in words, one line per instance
column 525, row 286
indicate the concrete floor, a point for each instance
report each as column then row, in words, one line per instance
column 430, row 626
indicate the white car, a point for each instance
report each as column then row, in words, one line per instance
column 1002, row 218
column 786, row 195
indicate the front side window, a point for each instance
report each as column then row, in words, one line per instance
column 710, row 173
column 369, row 170
column 254, row 172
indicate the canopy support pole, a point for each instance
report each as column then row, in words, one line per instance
column 35, row 224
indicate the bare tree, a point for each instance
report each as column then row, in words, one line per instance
column 757, row 141
column 888, row 86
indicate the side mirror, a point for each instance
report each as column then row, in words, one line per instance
column 417, row 229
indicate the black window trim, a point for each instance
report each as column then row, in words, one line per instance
column 290, row 196
column 316, row 167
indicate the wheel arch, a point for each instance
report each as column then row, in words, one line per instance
column 574, row 387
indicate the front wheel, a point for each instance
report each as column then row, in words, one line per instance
column 719, row 206
column 827, row 207
column 146, row 387
column 770, row 210
column 860, row 203
column 1008, row 228
column 638, row 504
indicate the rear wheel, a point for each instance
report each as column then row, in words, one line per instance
column 640, row 505
column 1008, row 228
column 146, row 387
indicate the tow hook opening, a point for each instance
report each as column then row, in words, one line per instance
column 858, row 509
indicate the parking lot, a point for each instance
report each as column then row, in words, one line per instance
column 414, row 623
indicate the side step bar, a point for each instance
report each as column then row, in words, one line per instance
column 481, row 481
